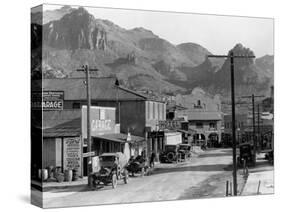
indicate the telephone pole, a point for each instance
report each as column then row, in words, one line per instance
column 254, row 123
column 232, row 56
column 87, row 71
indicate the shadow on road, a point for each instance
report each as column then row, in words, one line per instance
column 202, row 168
column 206, row 155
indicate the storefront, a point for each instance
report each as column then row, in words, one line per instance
column 65, row 138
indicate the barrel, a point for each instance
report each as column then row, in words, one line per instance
column 40, row 174
column 75, row 175
column 50, row 172
column 44, row 174
column 68, row 175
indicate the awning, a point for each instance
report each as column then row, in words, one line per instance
column 120, row 137
column 190, row 131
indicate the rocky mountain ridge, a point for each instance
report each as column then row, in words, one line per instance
column 141, row 59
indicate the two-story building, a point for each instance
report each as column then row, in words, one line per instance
column 204, row 116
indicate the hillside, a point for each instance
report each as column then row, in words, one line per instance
column 139, row 58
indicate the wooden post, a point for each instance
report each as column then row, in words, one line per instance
column 226, row 188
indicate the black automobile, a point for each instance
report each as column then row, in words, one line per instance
column 246, row 153
column 113, row 167
column 170, row 154
column 184, row 152
column 137, row 165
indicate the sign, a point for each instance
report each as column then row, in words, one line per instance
column 47, row 100
column 170, row 124
column 89, row 154
column 72, row 157
column 102, row 120
column 156, row 134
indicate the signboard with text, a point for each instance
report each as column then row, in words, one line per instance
column 72, row 153
column 170, row 124
column 47, row 100
column 102, row 120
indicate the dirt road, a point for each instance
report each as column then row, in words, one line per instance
column 202, row 176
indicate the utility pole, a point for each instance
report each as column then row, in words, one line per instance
column 87, row 71
column 254, row 123
column 259, row 130
column 232, row 56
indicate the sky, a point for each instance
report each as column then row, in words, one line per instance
column 216, row 33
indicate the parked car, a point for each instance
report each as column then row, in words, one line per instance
column 137, row 165
column 170, row 154
column 270, row 156
column 246, row 153
column 184, row 152
column 113, row 167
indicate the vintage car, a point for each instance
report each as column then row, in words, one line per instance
column 113, row 167
column 246, row 153
column 184, row 152
column 137, row 165
column 170, row 154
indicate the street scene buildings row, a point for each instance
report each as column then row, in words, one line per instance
column 125, row 121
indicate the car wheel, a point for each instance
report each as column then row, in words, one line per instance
column 126, row 177
column 142, row 171
column 114, row 180
column 170, row 156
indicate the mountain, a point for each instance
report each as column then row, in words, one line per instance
column 138, row 57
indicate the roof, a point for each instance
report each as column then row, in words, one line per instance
column 67, row 129
column 101, row 89
column 173, row 107
column 62, row 118
column 119, row 137
column 189, row 131
column 194, row 116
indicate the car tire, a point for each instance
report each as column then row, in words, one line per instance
column 114, row 181
column 170, row 156
column 142, row 171
column 126, row 177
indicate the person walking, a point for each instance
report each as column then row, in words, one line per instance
column 152, row 159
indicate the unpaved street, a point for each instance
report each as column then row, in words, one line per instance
column 200, row 177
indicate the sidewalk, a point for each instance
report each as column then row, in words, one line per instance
column 260, row 179
column 81, row 183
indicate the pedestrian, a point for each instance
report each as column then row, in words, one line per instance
column 152, row 158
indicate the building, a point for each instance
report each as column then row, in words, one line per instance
column 132, row 115
column 204, row 116
column 65, row 133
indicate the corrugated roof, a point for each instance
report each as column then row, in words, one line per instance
column 67, row 129
column 193, row 116
column 59, row 117
column 101, row 89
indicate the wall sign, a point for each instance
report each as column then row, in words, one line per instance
column 47, row 100
column 72, row 154
column 170, row 124
column 102, row 120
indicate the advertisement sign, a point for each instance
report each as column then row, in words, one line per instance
column 102, row 120
column 72, row 157
column 47, row 100
column 170, row 124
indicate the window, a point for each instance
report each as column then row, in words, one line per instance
column 198, row 105
column 212, row 125
column 148, row 110
column 199, row 125
column 154, row 113
column 76, row 105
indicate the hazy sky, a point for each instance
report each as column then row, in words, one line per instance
column 216, row 33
